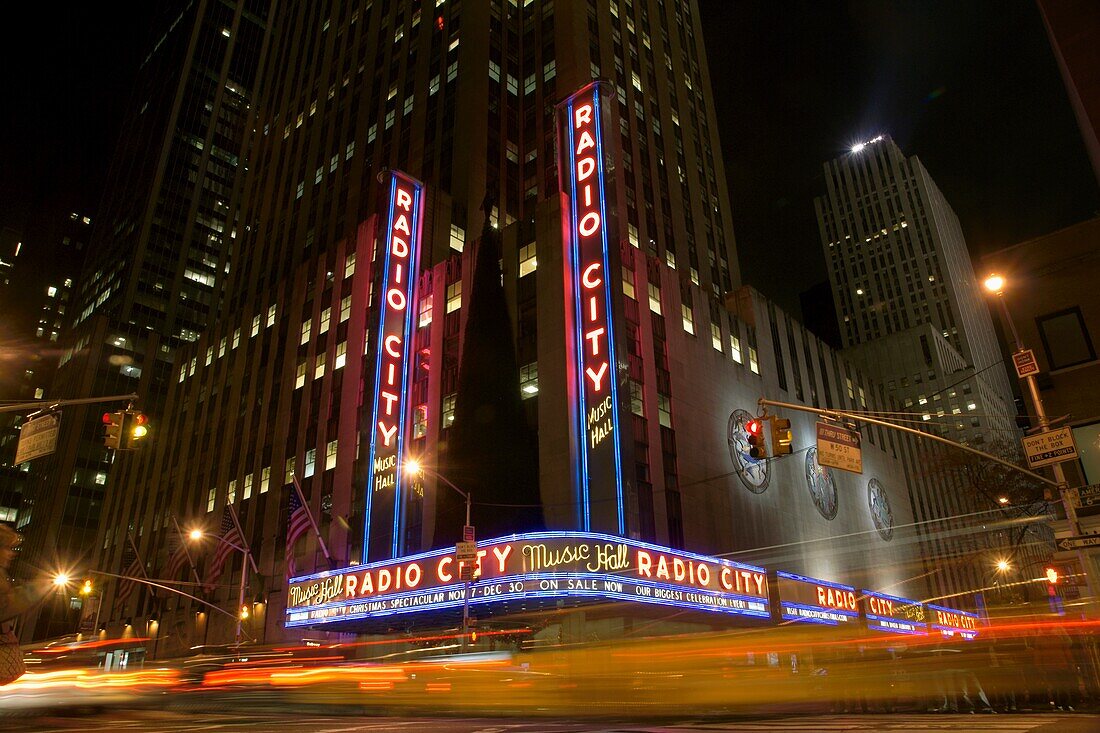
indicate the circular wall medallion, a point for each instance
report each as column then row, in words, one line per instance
column 819, row 481
column 753, row 472
column 879, row 504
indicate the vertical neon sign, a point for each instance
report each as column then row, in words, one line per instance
column 383, row 525
column 594, row 375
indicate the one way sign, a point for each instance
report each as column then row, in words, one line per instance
column 1079, row 542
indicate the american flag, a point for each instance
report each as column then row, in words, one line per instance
column 297, row 523
column 177, row 556
column 131, row 567
column 230, row 536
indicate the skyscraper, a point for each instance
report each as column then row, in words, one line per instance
column 464, row 98
column 910, row 307
column 155, row 261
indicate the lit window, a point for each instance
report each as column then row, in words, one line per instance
column 319, row 369
column 628, row 283
column 255, row 325
column 458, row 237
column 716, row 337
column 670, row 258
column 101, row 478
column 349, row 150
column 636, row 79
column 51, row 291
column 735, row 348
column 345, row 309
column 300, row 375
column 209, row 355
column 420, row 421
column 247, row 493
column 210, row 497
column 341, row 355
column 529, row 380
column 454, row 296
column 326, row 318
column 372, row 132
column 654, row 298
column 300, row 190
column 330, row 455
column 349, row 265
column 549, row 70
column 236, row 338
column 425, row 310
column 265, row 478
column 527, row 260
column 221, row 348
column 306, row 325
column 754, row 365
column 689, row 319
column 390, row 117
column 637, row 398
column 449, row 409
column 231, row 492
column 971, row 406
column 664, row 410
column 288, row 474
column 632, row 235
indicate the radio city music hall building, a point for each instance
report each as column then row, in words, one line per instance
column 413, row 171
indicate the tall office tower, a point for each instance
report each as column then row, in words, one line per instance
column 155, row 263
column 910, row 307
column 385, row 129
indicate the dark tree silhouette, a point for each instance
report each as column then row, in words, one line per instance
column 491, row 452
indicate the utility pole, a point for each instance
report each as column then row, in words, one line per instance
column 996, row 285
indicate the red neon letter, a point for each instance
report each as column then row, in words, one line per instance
column 387, row 435
column 594, row 336
column 587, row 278
column 444, row 575
column 645, row 564
column 399, row 247
column 390, row 350
column 585, row 167
column 582, row 114
column 403, row 199
column 590, row 224
column 396, row 299
column 596, row 377
column 502, row 555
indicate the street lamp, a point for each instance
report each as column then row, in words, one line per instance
column 197, row 534
column 413, row 467
column 61, row 580
column 995, row 284
column 1003, row 566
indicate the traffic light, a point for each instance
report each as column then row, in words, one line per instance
column 758, row 449
column 135, row 427
column 1052, row 575
column 112, row 429
column 781, row 436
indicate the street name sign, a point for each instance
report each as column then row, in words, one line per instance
column 1054, row 446
column 1025, row 363
column 1079, row 542
column 1087, row 500
column 37, row 438
column 839, row 447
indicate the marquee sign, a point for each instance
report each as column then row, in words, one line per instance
column 951, row 622
column 815, row 601
column 384, row 525
column 526, row 568
column 892, row 614
column 591, row 341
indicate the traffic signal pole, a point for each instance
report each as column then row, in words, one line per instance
column 50, row 404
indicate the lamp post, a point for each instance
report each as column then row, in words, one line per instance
column 246, row 558
column 995, row 284
column 415, row 468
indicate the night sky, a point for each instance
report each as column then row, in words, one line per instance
column 972, row 88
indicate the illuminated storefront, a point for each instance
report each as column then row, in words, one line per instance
column 892, row 614
column 815, row 601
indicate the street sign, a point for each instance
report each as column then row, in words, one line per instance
column 89, row 614
column 1079, row 542
column 466, row 551
column 1053, row 446
column 1086, row 500
column 38, row 437
column 468, row 533
column 466, row 572
column 839, row 447
column 1025, row 363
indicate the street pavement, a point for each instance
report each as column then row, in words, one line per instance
column 223, row 722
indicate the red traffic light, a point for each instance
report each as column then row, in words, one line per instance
column 140, row 418
column 107, row 418
column 753, row 427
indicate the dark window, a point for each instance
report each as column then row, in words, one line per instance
column 1065, row 338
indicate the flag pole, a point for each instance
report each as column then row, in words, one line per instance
column 312, row 521
column 244, row 541
column 141, row 562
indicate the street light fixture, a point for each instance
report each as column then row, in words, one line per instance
column 995, row 283
column 61, row 580
column 414, row 467
column 1003, row 566
column 195, row 535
